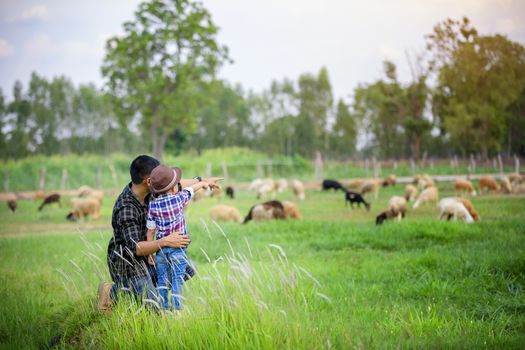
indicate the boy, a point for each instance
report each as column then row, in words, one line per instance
column 166, row 215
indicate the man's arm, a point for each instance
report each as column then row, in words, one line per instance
column 173, row 240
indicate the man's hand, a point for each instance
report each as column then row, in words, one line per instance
column 175, row 240
column 212, row 182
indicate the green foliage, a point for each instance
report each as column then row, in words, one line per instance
column 155, row 69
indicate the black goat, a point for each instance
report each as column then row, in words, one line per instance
column 11, row 203
column 230, row 192
column 332, row 185
column 353, row 197
column 52, row 198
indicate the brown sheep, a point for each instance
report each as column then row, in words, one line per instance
column 425, row 181
column 516, row 178
column 429, row 194
column 468, row 205
column 225, row 213
column 52, row 198
column 505, row 185
column 371, row 186
column 461, row 186
column 11, row 204
column 487, row 183
column 266, row 211
column 390, row 180
column 83, row 207
column 291, row 211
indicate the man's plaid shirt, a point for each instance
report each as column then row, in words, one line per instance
column 166, row 212
column 129, row 228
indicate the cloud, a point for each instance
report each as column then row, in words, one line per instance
column 35, row 12
column 6, row 49
column 38, row 44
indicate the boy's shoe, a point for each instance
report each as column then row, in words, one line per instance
column 104, row 298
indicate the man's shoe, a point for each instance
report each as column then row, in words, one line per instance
column 104, row 298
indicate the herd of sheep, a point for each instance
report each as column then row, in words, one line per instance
column 87, row 202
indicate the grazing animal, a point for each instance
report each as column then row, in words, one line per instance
column 39, row 195
column 255, row 184
column 265, row 211
column 397, row 208
column 425, row 181
column 390, row 180
column 461, row 186
column 429, row 194
column 291, row 211
column 352, row 197
column 281, row 185
column 452, row 208
column 354, row 184
column 487, row 183
column 516, row 179
column 371, row 186
column 86, row 191
column 505, row 185
column 216, row 193
column 225, row 213
column 298, row 189
column 52, row 198
column 83, row 207
column 11, row 204
column 468, row 205
column 230, row 192
column 331, row 185
column 410, row 193
column 268, row 186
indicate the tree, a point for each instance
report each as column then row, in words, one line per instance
column 3, row 120
column 478, row 78
column 155, row 68
column 20, row 142
column 344, row 131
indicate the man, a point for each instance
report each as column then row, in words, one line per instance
column 128, row 249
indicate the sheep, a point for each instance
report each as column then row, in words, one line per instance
column 461, row 186
column 268, row 186
column 353, row 184
column 352, row 197
column 216, row 193
column 281, row 185
column 83, row 207
column 370, row 186
column 84, row 191
column 397, row 208
column 516, row 179
column 230, row 192
column 197, row 196
column 11, row 204
column 410, row 193
column 429, row 194
column 255, row 184
column 265, row 211
column 452, row 208
column 291, row 211
column 331, row 185
column 52, row 198
column 298, row 189
column 425, row 181
column 390, row 180
column 225, row 213
column 505, row 185
column 468, row 205
column 487, row 183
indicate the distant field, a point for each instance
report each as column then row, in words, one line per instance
column 330, row 280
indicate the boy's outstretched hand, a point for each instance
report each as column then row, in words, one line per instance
column 212, row 182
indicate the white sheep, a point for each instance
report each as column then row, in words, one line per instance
column 397, row 208
column 410, row 193
column 371, row 186
column 255, row 184
column 267, row 187
column 452, row 208
column 84, row 207
column 225, row 213
column 425, row 181
column 298, row 189
column 281, row 185
column 429, row 194
column 505, row 185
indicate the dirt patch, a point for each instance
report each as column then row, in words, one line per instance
column 51, row 229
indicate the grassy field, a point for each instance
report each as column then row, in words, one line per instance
column 330, row 280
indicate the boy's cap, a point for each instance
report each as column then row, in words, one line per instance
column 163, row 178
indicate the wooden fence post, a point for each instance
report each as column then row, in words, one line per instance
column 208, row 169
column 395, row 164
column 42, row 181
column 500, row 163
column 374, row 165
column 259, row 169
column 494, row 164
column 318, row 164
column 63, row 180
column 413, row 166
column 516, row 164
column 113, row 175
column 473, row 163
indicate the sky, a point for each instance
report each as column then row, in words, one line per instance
column 268, row 39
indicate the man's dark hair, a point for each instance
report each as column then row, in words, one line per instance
column 141, row 167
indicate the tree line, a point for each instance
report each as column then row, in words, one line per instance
column 466, row 96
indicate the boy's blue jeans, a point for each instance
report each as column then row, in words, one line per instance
column 171, row 267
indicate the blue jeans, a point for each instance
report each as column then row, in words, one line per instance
column 171, row 267
column 141, row 287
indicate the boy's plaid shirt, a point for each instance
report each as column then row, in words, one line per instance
column 166, row 212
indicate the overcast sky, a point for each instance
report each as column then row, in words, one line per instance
column 268, row 39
